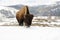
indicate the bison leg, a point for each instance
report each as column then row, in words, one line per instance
column 21, row 22
column 27, row 22
column 27, row 25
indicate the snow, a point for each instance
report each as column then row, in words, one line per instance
column 32, row 33
column 9, row 29
column 7, row 12
column 37, row 21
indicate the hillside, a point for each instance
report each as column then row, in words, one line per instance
column 7, row 12
column 42, row 10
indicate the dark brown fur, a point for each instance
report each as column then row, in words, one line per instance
column 28, row 19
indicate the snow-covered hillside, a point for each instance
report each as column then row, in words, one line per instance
column 7, row 12
column 42, row 10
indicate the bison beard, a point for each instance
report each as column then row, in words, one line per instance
column 23, row 15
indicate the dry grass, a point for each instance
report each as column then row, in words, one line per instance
column 38, row 22
column 41, row 20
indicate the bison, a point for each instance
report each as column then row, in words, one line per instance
column 23, row 16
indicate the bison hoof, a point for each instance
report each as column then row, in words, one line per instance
column 20, row 24
column 28, row 26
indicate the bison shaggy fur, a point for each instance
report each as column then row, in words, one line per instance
column 23, row 16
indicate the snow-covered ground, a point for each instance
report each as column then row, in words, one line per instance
column 11, row 31
column 37, row 21
column 32, row 33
